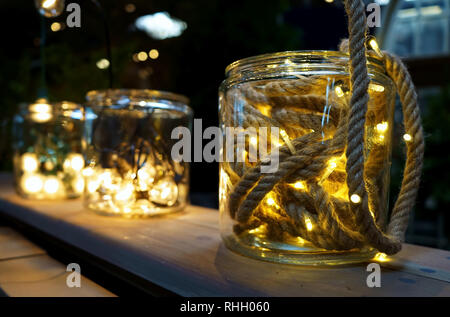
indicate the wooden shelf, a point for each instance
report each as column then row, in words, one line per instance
column 183, row 254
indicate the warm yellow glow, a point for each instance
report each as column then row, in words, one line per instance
column 125, row 193
column 51, row 185
column 48, row 4
column 79, row 185
column 88, row 171
column 153, row 54
column 165, row 193
column 55, row 26
column 32, row 184
column 41, row 111
column 74, row 161
column 299, row 185
column 407, row 137
column 270, row 201
column 103, row 63
column 375, row 87
column 381, row 257
column 381, row 138
column 372, row 214
column 29, row 162
column 355, row 198
column 329, row 1
column 339, row 91
column 300, row 240
column 382, row 127
column 308, row 223
column 142, row 56
column 106, row 178
column 253, row 141
column 92, row 186
column 287, row 141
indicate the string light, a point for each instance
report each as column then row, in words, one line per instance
column 299, row 185
column 51, row 185
column 103, row 63
column 381, row 257
column 382, row 127
column 55, row 26
column 407, row 137
column 142, row 56
column 308, row 223
column 32, row 183
column 29, row 162
column 339, row 91
column 153, row 54
column 355, row 198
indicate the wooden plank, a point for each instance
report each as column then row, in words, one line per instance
column 41, row 276
column 14, row 245
column 183, row 253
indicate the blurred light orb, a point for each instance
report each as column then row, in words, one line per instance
column 55, row 26
column 160, row 25
column 153, row 54
column 142, row 56
column 103, row 63
column 130, row 8
column 50, row 8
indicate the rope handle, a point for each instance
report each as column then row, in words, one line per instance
column 390, row 242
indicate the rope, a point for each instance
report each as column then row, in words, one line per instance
column 329, row 163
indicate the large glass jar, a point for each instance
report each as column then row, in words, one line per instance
column 129, row 168
column 47, row 150
column 284, row 195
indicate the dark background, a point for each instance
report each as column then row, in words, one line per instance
column 193, row 64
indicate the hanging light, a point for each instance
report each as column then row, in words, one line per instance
column 49, row 8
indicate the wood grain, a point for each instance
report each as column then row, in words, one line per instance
column 183, row 253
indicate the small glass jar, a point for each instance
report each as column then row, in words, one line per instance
column 129, row 168
column 47, row 150
column 293, row 107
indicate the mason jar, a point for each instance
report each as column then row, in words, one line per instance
column 127, row 143
column 47, row 150
column 283, row 180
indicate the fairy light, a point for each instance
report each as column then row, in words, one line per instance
column 79, row 185
column 376, row 87
column 51, row 185
column 88, row 171
column 74, row 161
column 381, row 257
column 33, row 184
column 270, row 201
column 308, row 223
column 355, row 198
column 407, row 137
column 339, row 91
column 253, row 141
column 286, row 140
column 299, row 185
column 41, row 111
column 125, row 193
column 29, row 162
column 382, row 127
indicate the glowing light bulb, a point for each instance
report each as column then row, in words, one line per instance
column 382, row 127
column 125, row 193
column 30, row 162
column 407, row 137
column 381, row 257
column 50, row 8
column 299, row 185
column 32, row 184
column 103, row 63
column 339, row 91
column 51, row 185
column 270, row 201
column 55, row 26
column 355, row 198
column 376, row 87
column 308, row 223
column 153, row 54
column 41, row 111
column 74, row 161
column 253, row 141
column 88, row 171
column 79, row 185
column 142, row 56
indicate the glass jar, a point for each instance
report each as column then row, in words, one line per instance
column 47, row 150
column 290, row 111
column 129, row 169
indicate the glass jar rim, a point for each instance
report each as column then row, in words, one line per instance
column 375, row 64
column 142, row 93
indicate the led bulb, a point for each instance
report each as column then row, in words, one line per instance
column 407, row 137
column 355, row 198
column 51, row 185
column 30, row 162
column 308, row 223
column 32, row 183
